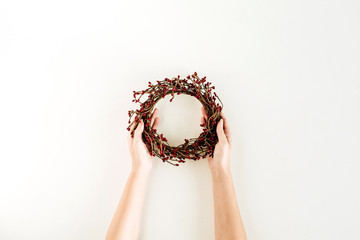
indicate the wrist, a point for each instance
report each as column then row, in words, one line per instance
column 220, row 170
column 141, row 169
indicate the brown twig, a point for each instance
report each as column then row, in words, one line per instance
column 193, row 148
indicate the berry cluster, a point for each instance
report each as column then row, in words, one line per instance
column 193, row 148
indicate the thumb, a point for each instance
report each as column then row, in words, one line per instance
column 220, row 131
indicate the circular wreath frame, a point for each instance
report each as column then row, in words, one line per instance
column 193, row 148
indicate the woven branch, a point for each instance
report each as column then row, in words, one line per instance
column 192, row 148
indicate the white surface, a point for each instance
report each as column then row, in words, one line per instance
column 287, row 72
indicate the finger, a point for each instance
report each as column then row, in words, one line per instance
column 132, row 125
column 202, row 120
column 220, row 131
column 203, row 112
column 226, row 127
column 129, row 140
column 153, row 116
column 139, row 129
column 156, row 123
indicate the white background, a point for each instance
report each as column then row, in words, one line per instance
column 287, row 72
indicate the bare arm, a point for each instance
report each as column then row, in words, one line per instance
column 228, row 222
column 126, row 221
column 125, row 224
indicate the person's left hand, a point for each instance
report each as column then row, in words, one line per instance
column 141, row 158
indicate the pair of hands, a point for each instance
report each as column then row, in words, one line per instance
column 142, row 161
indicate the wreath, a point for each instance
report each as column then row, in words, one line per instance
column 192, row 148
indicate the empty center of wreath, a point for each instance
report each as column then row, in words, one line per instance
column 180, row 118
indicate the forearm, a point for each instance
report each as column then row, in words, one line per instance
column 228, row 222
column 126, row 221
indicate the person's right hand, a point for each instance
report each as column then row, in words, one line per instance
column 221, row 157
